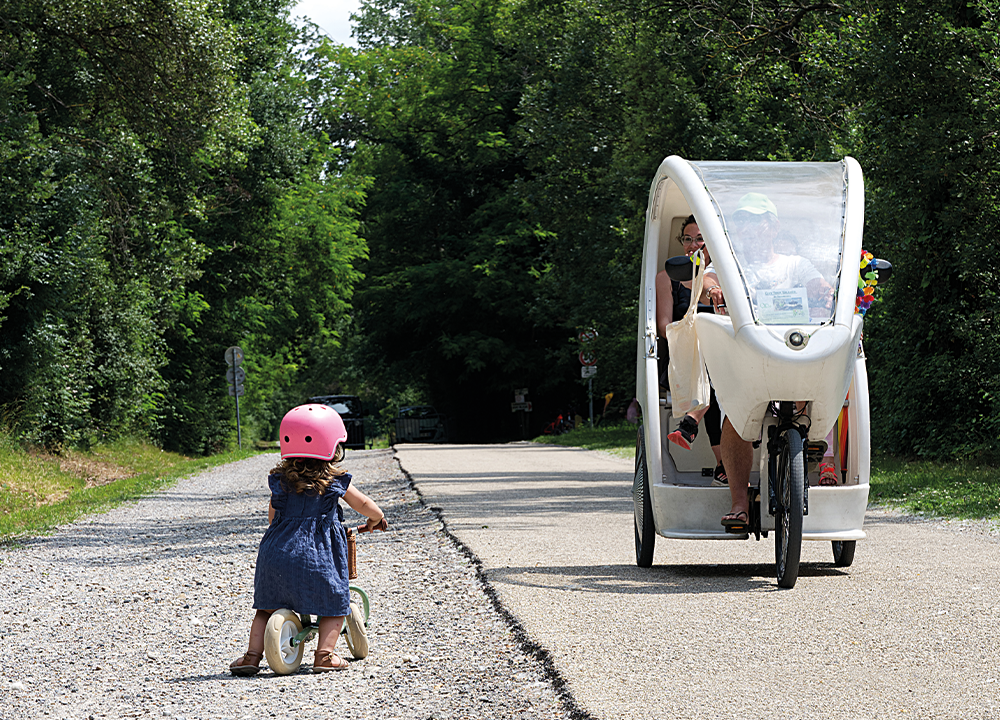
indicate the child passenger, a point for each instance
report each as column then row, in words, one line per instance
column 302, row 560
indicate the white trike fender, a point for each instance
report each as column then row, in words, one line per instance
column 754, row 366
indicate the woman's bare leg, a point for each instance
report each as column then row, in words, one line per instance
column 737, row 456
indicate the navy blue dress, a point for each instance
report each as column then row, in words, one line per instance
column 302, row 560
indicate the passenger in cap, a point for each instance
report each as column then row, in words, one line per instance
column 753, row 228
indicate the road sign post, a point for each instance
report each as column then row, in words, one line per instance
column 589, row 362
column 522, row 406
column 235, row 376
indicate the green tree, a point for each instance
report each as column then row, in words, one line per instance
column 104, row 123
column 164, row 199
column 426, row 108
column 279, row 269
column 512, row 147
column 925, row 76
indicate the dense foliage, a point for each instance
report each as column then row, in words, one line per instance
column 437, row 214
column 927, row 126
column 163, row 199
column 553, row 116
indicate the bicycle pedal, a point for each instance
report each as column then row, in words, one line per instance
column 815, row 451
column 738, row 529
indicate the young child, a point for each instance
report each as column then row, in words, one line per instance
column 302, row 560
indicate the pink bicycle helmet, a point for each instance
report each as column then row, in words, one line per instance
column 311, row 431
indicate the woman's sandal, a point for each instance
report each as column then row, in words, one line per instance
column 246, row 665
column 737, row 522
column 827, row 475
column 326, row 661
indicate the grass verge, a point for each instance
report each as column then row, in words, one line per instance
column 950, row 490
column 39, row 491
column 617, row 439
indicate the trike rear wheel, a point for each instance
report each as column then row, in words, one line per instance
column 645, row 533
column 843, row 552
column 788, row 490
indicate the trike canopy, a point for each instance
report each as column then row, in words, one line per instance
column 784, row 240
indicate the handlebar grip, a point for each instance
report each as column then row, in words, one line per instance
column 382, row 525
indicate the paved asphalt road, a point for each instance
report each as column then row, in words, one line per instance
column 911, row 630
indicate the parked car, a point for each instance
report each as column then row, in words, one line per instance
column 420, row 423
column 352, row 411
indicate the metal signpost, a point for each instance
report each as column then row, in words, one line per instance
column 522, row 405
column 235, row 376
column 589, row 362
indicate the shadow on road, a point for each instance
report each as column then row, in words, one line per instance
column 657, row 580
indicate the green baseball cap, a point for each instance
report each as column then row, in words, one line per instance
column 757, row 204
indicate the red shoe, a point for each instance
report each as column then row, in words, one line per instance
column 828, row 475
column 685, row 433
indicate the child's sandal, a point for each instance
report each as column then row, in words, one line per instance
column 326, row 661
column 248, row 664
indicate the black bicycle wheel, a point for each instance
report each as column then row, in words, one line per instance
column 788, row 523
column 843, row 552
column 645, row 533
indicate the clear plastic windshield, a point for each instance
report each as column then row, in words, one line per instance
column 784, row 223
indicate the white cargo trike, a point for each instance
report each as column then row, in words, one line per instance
column 784, row 357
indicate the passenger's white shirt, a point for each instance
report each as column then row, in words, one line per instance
column 783, row 272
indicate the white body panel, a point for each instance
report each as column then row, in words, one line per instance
column 685, row 506
column 757, row 367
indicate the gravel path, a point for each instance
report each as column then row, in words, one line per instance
column 137, row 613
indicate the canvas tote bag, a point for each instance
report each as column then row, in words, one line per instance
column 689, row 386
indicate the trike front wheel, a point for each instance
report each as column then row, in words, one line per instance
column 356, row 633
column 789, row 490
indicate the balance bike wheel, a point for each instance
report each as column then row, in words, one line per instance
column 356, row 632
column 282, row 627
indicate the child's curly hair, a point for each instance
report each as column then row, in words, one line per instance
column 309, row 475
